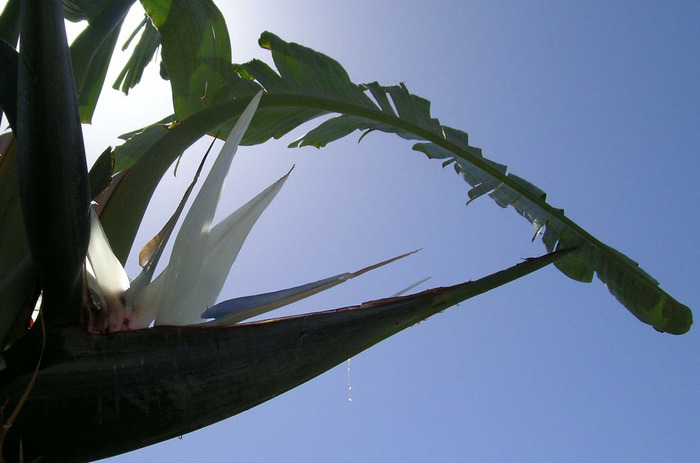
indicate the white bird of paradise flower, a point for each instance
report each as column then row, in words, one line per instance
column 202, row 255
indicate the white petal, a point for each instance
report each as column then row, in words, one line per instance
column 201, row 283
column 241, row 308
column 109, row 275
column 145, row 305
column 190, row 247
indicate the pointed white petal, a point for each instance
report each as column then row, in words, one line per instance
column 198, row 284
column 190, row 244
column 151, row 252
column 242, row 308
column 145, row 304
column 109, row 275
column 198, row 220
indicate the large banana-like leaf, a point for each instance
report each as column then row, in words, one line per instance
column 309, row 84
column 167, row 381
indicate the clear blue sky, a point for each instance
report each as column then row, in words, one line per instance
column 598, row 104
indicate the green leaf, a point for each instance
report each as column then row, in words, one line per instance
column 196, row 51
column 310, row 84
column 140, row 58
column 100, row 174
column 91, row 53
column 307, row 72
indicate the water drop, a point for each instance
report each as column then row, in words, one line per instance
column 349, row 385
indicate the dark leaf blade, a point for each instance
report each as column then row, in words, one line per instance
column 9, row 22
column 100, row 175
column 93, row 80
column 17, row 277
column 9, row 61
column 18, row 295
column 84, row 10
column 168, row 381
column 13, row 245
column 54, row 188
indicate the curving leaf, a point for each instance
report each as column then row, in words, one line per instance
column 308, row 72
column 309, row 85
column 100, row 175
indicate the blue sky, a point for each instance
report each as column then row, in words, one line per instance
column 598, row 104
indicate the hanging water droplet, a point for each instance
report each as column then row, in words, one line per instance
column 349, row 385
